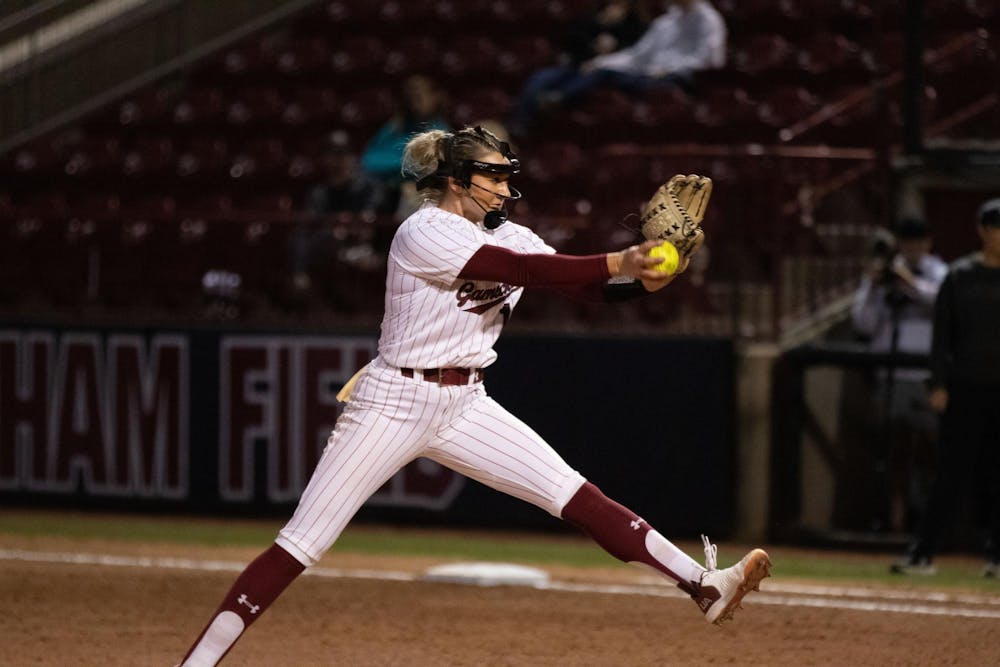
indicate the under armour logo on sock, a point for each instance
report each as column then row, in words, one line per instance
column 254, row 608
column 634, row 525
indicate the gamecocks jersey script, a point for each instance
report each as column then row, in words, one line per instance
column 433, row 318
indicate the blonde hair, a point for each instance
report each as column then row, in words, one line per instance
column 426, row 152
column 420, row 159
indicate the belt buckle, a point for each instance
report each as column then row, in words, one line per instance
column 439, row 372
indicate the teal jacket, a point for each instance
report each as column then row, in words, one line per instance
column 383, row 156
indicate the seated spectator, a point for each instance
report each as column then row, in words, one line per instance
column 614, row 25
column 689, row 37
column 344, row 189
column 421, row 108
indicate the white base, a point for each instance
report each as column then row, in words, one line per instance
column 487, row 574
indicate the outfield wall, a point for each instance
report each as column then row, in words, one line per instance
column 231, row 422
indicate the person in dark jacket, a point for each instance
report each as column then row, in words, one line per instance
column 965, row 389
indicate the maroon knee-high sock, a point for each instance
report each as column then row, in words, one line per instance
column 622, row 533
column 254, row 590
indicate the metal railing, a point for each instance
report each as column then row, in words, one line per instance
column 20, row 17
column 57, row 82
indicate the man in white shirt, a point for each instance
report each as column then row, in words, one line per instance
column 690, row 36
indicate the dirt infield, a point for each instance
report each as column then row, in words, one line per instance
column 138, row 613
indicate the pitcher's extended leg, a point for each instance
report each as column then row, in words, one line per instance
column 718, row 593
column 627, row 537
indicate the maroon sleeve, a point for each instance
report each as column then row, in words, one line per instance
column 535, row 270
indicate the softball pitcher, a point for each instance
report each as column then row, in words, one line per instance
column 456, row 270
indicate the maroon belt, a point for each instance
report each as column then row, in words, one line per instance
column 450, row 376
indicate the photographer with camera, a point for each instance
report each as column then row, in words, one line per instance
column 893, row 309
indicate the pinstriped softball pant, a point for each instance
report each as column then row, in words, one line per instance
column 392, row 420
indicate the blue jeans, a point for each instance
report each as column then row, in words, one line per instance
column 605, row 78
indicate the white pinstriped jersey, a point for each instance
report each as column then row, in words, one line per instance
column 433, row 318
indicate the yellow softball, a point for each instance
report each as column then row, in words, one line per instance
column 668, row 252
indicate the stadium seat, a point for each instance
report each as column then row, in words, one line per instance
column 26, row 246
column 204, row 157
column 196, row 203
column 94, row 159
column 620, row 183
column 960, row 14
column 785, row 106
column 411, row 55
column 661, row 116
column 147, row 108
column 51, row 202
column 522, row 55
column 391, row 20
column 726, row 115
column 175, row 279
column 468, row 56
column 471, row 14
column 257, row 107
column 199, row 107
column 304, row 59
column 405, row 13
column 761, row 53
column 260, row 163
column 553, row 162
column 366, row 110
column 303, row 167
column 830, row 54
column 595, row 119
column 127, row 256
column 150, row 157
column 755, row 16
column 480, row 104
column 888, row 54
column 251, row 61
column 40, row 158
column 357, row 59
column 310, row 107
column 159, row 207
column 256, row 250
column 271, row 205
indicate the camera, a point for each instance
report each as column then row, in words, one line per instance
column 883, row 252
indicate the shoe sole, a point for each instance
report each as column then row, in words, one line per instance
column 757, row 569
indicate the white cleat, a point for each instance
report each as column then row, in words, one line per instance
column 720, row 592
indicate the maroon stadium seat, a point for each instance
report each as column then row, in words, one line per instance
column 479, row 104
column 199, row 106
column 357, row 58
column 367, row 109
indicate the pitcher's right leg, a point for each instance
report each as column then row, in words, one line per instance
column 368, row 445
column 253, row 591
